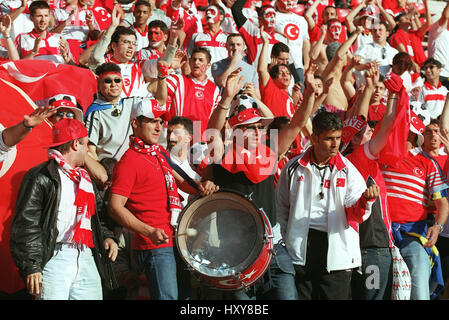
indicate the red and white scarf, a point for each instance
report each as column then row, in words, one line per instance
column 84, row 201
column 174, row 203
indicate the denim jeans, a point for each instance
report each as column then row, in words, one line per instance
column 375, row 280
column 418, row 263
column 278, row 283
column 159, row 266
column 71, row 274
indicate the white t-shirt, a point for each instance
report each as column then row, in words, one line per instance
column 438, row 46
column 295, row 28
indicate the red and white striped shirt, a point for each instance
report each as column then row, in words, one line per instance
column 133, row 84
column 216, row 44
column 48, row 48
column 433, row 98
column 411, row 184
column 192, row 99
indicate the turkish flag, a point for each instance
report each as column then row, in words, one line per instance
column 25, row 155
column 43, row 79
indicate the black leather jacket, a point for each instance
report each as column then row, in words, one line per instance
column 34, row 231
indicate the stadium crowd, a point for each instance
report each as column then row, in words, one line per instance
column 331, row 116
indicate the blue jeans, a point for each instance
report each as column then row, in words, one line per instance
column 159, row 266
column 418, row 263
column 71, row 274
column 375, row 280
column 278, row 283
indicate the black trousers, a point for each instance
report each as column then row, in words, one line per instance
column 313, row 281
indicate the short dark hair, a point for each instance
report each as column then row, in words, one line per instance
column 279, row 47
column 141, row 3
column 185, row 122
column 38, row 5
column 121, row 30
column 326, row 121
column 434, row 62
column 403, row 60
column 109, row 164
column 234, row 35
column 278, row 123
column 274, row 71
column 107, row 67
column 158, row 24
column 203, row 50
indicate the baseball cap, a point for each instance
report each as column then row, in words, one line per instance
column 70, row 105
column 368, row 11
column 66, row 130
column 245, row 110
column 149, row 108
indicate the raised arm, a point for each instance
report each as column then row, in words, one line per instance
column 349, row 19
column 237, row 13
column 302, row 114
column 5, row 28
column 262, row 64
column 308, row 14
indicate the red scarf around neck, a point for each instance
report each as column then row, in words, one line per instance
column 84, row 201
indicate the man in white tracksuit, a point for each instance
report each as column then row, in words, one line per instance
column 321, row 199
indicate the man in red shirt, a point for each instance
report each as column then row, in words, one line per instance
column 273, row 85
column 144, row 198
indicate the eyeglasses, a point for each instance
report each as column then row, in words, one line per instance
column 109, row 80
column 129, row 42
column 428, row 67
column 384, row 53
column 61, row 114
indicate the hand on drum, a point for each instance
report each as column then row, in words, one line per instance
column 207, row 188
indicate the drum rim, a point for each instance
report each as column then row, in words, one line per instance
column 265, row 223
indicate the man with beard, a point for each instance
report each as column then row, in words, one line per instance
column 40, row 43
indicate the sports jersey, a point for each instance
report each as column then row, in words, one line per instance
column 295, row 28
column 411, row 183
column 433, row 98
column 278, row 100
column 147, row 53
column 48, row 49
column 192, row 24
column 142, row 38
column 76, row 28
column 190, row 98
column 254, row 43
column 133, row 83
column 216, row 44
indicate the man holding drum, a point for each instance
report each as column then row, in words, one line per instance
column 138, row 201
column 247, row 162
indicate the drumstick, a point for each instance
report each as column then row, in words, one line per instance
column 190, row 232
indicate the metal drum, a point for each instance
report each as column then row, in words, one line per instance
column 226, row 239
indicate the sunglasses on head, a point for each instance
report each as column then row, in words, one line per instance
column 109, row 80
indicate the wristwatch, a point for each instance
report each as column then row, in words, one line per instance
column 440, row 225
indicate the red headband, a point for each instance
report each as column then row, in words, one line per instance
column 101, row 76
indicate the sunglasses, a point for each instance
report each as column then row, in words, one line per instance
column 384, row 53
column 69, row 115
column 428, row 67
column 109, row 80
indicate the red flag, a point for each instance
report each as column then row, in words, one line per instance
column 27, row 154
column 42, row 80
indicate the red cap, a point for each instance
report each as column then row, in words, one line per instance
column 66, row 130
column 70, row 105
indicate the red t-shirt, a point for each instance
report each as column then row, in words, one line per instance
column 139, row 177
column 278, row 100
